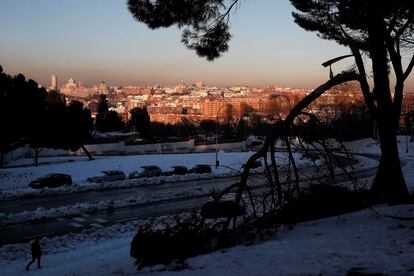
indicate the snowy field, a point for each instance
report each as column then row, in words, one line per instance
column 358, row 241
column 14, row 181
column 80, row 168
column 406, row 150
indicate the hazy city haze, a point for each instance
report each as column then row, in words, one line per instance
column 99, row 40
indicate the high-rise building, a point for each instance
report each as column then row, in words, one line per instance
column 54, row 83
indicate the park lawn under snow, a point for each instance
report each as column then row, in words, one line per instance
column 80, row 168
column 406, row 151
column 331, row 246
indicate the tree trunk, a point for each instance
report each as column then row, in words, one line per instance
column 87, row 152
column 389, row 183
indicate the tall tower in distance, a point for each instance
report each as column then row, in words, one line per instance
column 54, row 83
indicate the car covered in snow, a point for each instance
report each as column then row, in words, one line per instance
column 200, row 168
column 146, row 171
column 108, row 176
column 52, row 180
column 176, row 170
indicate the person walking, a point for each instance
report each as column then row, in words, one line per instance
column 36, row 254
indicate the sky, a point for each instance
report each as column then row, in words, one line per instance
column 98, row 40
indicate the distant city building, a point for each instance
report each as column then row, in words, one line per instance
column 218, row 109
column 200, row 84
column 54, row 83
column 74, row 89
column 102, row 88
column 197, row 102
column 71, row 83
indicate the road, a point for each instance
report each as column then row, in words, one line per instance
column 20, row 205
column 25, row 232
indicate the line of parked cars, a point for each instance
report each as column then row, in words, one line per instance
column 149, row 171
column 55, row 180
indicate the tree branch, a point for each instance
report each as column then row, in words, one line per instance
column 338, row 79
column 394, row 56
column 282, row 129
column 409, row 68
column 399, row 74
column 399, row 32
column 363, row 82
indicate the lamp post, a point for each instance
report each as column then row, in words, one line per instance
column 217, row 133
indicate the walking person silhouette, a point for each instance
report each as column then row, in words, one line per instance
column 36, row 254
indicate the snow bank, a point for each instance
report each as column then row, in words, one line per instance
column 88, row 208
column 14, row 181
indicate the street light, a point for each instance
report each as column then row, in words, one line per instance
column 217, row 133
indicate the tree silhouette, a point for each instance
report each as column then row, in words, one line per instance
column 79, row 126
column 102, row 114
column 186, row 128
column 381, row 30
column 20, row 100
column 208, row 125
column 30, row 113
column 107, row 120
column 22, row 110
column 228, row 131
column 140, row 121
column 242, row 129
column 204, row 22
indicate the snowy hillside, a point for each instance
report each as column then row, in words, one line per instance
column 363, row 241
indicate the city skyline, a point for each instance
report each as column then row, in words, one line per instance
column 94, row 42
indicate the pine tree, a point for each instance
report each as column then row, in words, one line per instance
column 102, row 114
column 383, row 31
column 140, row 122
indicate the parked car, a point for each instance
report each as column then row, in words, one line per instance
column 200, row 168
column 108, row 176
column 176, row 170
column 52, row 180
column 256, row 164
column 146, row 171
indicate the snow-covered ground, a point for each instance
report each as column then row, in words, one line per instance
column 406, row 150
column 358, row 241
column 14, row 181
column 331, row 246
column 144, row 197
column 80, row 168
